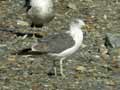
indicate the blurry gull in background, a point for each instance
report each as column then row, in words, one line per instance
column 40, row 11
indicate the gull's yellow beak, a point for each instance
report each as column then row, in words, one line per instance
column 85, row 27
column 88, row 27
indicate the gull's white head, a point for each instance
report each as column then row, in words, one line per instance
column 75, row 29
column 77, row 23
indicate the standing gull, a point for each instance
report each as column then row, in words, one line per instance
column 62, row 45
column 40, row 11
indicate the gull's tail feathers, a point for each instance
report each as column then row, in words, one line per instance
column 28, row 51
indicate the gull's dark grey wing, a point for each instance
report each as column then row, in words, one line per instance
column 57, row 43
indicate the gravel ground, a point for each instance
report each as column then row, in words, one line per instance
column 94, row 67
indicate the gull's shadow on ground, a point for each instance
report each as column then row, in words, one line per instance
column 28, row 51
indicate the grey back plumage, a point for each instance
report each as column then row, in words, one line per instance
column 56, row 43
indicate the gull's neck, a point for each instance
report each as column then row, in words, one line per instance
column 77, row 34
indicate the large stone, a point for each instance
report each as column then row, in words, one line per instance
column 112, row 40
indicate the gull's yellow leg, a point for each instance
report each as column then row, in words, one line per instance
column 61, row 67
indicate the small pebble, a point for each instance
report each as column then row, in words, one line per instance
column 81, row 68
column 22, row 23
column 72, row 6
